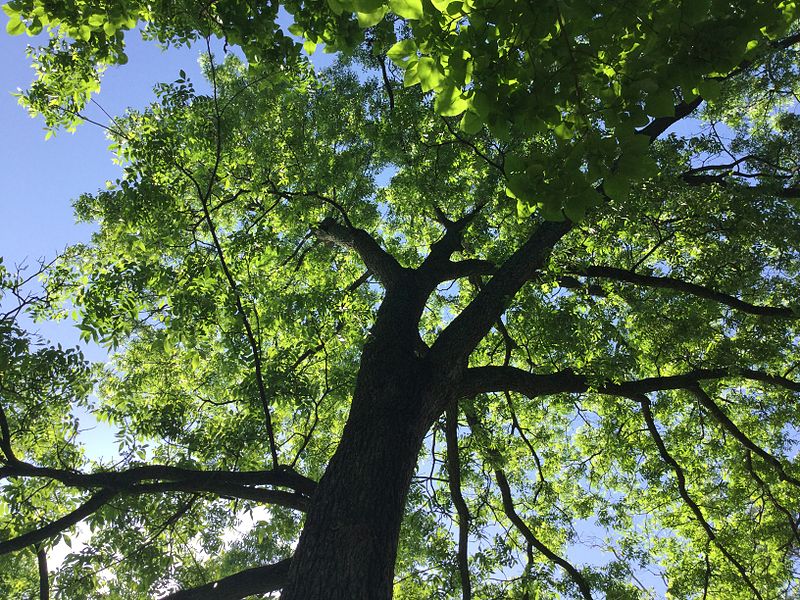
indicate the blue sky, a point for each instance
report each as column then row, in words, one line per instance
column 41, row 177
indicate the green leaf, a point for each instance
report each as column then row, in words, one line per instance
column 371, row 18
column 616, row 187
column 15, row 26
column 450, row 102
column 709, row 89
column 411, row 77
column 471, row 123
column 401, row 52
column 430, row 74
column 408, row 9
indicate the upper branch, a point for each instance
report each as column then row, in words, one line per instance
column 464, row 333
column 379, row 261
column 658, row 126
column 671, row 283
column 259, row 580
column 479, row 380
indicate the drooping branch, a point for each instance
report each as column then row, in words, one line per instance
column 678, row 285
column 790, row 517
column 522, row 527
column 463, row 334
column 44, row 575
column 259, row 580
column 251, row 338
column 379, row 261
column 479, row 380
column 680, row 477
column 50, row 530
column 713, row 408
column 454, row 481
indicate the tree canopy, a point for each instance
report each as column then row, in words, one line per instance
column 502, row 305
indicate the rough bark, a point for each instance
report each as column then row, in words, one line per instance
column 349, row 543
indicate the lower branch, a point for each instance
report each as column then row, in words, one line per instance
column 43, row 533
column 454, row 480
column 259, row 580
column 647, row 413
column 530, row 538
column 511, row 513
column 729, row 426
column 44, row 575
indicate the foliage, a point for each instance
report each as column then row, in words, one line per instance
column 634, row 392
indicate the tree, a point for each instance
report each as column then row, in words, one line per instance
column 458, row 325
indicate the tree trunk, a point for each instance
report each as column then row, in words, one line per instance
column 348, row 546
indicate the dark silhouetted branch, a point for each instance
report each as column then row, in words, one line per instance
column 463, row 334
column 713, row 408
column 511, row 513
column 658, row 126
column 454, row 481
column 479, row 380
column 44, row 575
column 259, row 580
column 680, row 477
column 678, row 285
column 52, row 529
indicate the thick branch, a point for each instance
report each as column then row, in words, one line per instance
column 678, row 285
column 454, row 481
column 44, row 575
column 658, row 126
column 259, row 580
column 463, row 334
column 480, row 380
column 229, row 483
column 450, row 242
column 379, row 261
column 684, row 493
column 226, row 490
column 52, row 529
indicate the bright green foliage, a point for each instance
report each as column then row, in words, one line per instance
column 213, row 271
column 584, row 73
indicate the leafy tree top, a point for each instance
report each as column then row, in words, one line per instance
column 575, row 316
